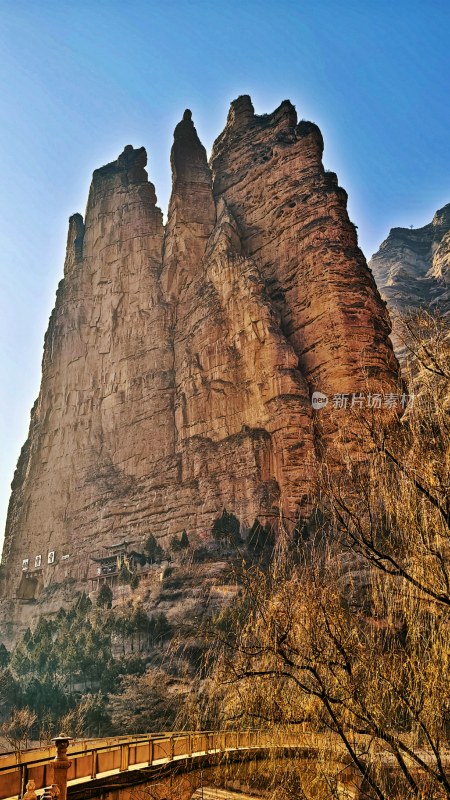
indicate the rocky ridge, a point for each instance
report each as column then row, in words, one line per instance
column 412, row 266
column 179, row 361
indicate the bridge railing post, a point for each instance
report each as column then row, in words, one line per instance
column 150, row 752
column 61, row 764
column 23, row 778
column 124, row 757
column 172, row 748
column 94, row 764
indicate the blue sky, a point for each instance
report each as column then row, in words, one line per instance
column 82, row 79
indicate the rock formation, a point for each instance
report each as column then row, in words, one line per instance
column 412, row 266
column 179, row 362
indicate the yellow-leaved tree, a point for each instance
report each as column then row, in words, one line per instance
column 343, row 644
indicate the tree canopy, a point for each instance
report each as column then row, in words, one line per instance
column 226, row 529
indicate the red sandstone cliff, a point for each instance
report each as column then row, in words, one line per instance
column 179, row 363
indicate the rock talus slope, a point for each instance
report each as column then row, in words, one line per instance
column 179, row 362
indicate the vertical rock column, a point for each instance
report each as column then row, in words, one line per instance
column 294, row 223
column 192, row 211
column 101, row 438
column 241, row 410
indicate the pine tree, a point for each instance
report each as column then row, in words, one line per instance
column 226, row 530
column 134, row 583
column 104, row 597
column 175, row 544
column 153, row 550
column 4, row 656
column 184, row 541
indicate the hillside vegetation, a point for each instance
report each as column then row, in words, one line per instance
column 347, row 634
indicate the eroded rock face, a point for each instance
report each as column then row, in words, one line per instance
column 179, row 362
column 412, row 266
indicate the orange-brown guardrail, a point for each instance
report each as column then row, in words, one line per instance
column 92, row 759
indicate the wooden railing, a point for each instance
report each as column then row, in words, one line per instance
column 96, row 758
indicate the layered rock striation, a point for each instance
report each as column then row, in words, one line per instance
column 412, row 266
column 179, row 361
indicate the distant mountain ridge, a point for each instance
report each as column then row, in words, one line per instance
column 412, row 266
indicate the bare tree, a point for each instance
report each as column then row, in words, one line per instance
column 348, row 634
column 16, row 730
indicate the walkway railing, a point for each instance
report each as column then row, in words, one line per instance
column 98, row 758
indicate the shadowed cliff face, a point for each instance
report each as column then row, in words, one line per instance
column 179, row 363
column 294, row 222
column 412, row 266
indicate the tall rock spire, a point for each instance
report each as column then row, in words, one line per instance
column 106, row 390
column 192, row 212
column 75, row 238
column 178, row 363
column 237, row 377
column 293, row 218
